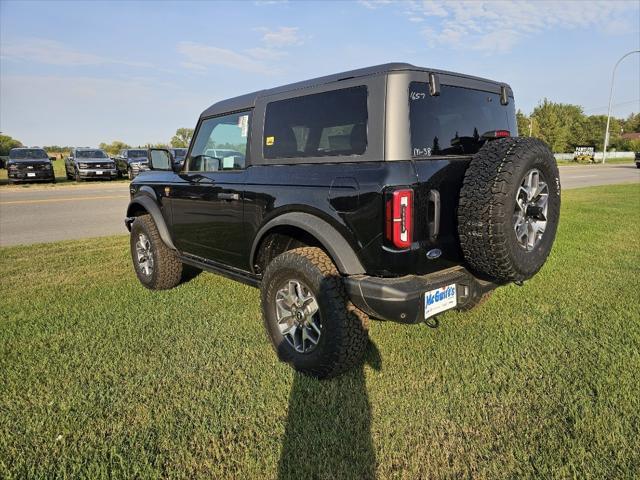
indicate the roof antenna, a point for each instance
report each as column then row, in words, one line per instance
column 434, row 85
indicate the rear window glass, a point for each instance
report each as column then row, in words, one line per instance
column 323, row 124
column 28, row 154
column 453, row 123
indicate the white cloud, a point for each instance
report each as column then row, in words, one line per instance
column 373, row 4
column 199, row 56
column 498, row 25
column 281, row 37
column 52, row 52
column 266, row 53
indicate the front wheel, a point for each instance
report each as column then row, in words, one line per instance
column 130, row 175
column 78, row 177
column 309, row 319
column 156, row 265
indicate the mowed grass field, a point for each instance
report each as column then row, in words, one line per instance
column 102, row 378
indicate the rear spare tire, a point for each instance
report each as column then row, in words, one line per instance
column 509, row 208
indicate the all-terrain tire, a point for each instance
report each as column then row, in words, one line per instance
column 486, row 208
column 167, row 268
column 344, row 338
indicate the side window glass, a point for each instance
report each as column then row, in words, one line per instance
column 221, row 144
column 323, row 124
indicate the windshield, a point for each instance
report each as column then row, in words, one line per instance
column 454, row 122
column 90, row 154
column 137, row 153
column 28, row 154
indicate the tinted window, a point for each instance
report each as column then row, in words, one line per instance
column 90, row 154
column 137, row 153
column 28, row 154
column 221, row 144
column 453, row 122
column 323, row 124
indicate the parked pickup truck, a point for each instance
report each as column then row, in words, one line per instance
column 30, row 165
column 392, row 192
column 85, row 163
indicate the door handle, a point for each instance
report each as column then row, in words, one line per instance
column 229, row 196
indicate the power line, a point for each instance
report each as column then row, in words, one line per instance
column 604, row 107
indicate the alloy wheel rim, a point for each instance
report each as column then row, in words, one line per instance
column 144, row 254
column 298, row 316
column 530, row 212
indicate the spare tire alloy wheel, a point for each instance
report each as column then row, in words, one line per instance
column 298, row 316
column 530, row 215
column 509, row 209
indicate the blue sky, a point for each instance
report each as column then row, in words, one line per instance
column 79, row 73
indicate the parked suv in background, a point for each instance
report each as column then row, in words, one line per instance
column 178, row 155
column 84, row 163
column 29, row 165
column 393, row 192
column 637, row 159
column 131, row 162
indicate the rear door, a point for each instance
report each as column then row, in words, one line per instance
column 207, row 201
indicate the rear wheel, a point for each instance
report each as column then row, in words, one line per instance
column 311, row 323
column 156, row 265
column 509, row 208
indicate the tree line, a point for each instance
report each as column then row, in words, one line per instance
column 564, row 126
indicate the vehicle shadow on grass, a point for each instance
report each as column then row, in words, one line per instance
column 328, row 430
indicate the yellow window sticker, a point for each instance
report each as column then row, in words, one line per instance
column 269, row 141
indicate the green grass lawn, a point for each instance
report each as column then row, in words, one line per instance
column 102, row 378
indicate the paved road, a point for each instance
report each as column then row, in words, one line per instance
column 575, row 176
column 62, row 212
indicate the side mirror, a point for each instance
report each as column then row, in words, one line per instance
column 159, row 159
column 53, row 159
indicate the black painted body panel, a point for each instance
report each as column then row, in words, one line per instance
column 348, row 196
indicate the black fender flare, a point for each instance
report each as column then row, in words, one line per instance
column 333, row 242
column 152, row 208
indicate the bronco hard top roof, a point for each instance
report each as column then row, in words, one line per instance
column 249, row 100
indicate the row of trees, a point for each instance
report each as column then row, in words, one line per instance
column 181, row 139
column 564, row 126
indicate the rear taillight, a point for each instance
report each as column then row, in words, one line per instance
column 399, row 218
column 493, row 134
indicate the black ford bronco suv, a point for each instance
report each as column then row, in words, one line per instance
column 392, row 192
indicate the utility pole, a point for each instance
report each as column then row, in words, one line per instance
column 613, row 76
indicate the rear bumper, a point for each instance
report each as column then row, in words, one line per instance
column 402, row 299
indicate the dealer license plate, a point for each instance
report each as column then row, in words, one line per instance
column 439, row 300
column 29, row 174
